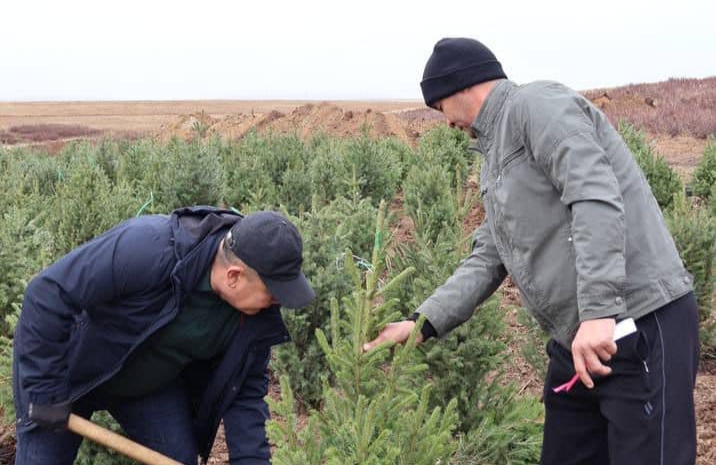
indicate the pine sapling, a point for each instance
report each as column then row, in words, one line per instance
column 376, row 411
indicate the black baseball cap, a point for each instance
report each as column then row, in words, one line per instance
column 270, row 244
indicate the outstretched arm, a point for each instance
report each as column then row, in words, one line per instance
column 454, row 302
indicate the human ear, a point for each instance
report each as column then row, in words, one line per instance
column 233, row 274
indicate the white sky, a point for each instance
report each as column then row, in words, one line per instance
column 333, row 49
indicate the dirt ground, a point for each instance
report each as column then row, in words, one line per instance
column 146, row 117
column 406, row 120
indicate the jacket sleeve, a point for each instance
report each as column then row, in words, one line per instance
column 477, row 277
column 564, row 141
column 245, row 419
column 95, row 273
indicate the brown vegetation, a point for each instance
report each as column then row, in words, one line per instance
column 27, row 133
column 677, row 107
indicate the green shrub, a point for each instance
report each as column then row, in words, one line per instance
column 438, row 243
column 257, row 167
column 694, row 232
column 7, row 405
column 185, row 174
column 296, row 189
column 447, row 147
column 246, row 181
column 331, row 188
column 705, row 173
column 91, row 453
column 107, row 155
column 327, row 232
column 372, row 414
column 24, row 173
column 533, row 348
column 174, row 174
column 404, row 154
column 376, row 164
column 132, row 165
column 464, row 365
column 510, row 433
column 349, row 167
column 428, row 200
column 24, row 249
column 326, row 170
column 86, row 204
column 664, row 181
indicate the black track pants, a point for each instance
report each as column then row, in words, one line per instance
column 643, row 413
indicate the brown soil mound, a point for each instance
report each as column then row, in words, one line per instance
column 304, row 121
column 188, row 126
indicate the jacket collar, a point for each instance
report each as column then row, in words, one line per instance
column 197, row 232
column 484, row 124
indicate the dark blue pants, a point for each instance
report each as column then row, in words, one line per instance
column 160, row 421
column 643, row 413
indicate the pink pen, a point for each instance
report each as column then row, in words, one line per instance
column 623, row 328
column 568, row 385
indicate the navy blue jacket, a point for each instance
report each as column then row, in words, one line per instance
column 83, row 315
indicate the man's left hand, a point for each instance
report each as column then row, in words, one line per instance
column 593, row 345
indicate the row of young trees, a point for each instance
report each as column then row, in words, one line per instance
column 441, row 402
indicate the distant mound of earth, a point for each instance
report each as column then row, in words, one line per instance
column 308, row 120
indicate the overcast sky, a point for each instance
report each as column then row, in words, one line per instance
column 334, row 49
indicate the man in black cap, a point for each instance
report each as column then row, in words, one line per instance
column 166, row 322
column 571, row 218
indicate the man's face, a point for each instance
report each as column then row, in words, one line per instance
column 244, row 290
column 459, row 110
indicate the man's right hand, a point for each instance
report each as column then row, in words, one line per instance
column 51, row 416
column 398, row 332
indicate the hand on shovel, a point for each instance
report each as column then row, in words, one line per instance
column 107, row 438
column 58, row 416
column 119, row 443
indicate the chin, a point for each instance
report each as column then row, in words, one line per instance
column 250, row 312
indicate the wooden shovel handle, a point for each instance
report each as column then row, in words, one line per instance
column 107, row 438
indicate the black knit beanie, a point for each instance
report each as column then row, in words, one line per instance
column 457, row 64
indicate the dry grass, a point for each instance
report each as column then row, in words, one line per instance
column 147, row 116
column 677, row 107
column 28, row 133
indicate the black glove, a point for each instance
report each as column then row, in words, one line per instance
column 51, row 416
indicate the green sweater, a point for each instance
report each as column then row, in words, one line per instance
column 202, row 330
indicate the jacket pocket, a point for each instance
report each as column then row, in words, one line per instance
column 509, row 159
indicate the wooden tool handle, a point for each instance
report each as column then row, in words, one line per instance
column 107, row 438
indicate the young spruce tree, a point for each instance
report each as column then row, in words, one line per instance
column 376, row 411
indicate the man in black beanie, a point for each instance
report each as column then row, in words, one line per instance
column 571, row 218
